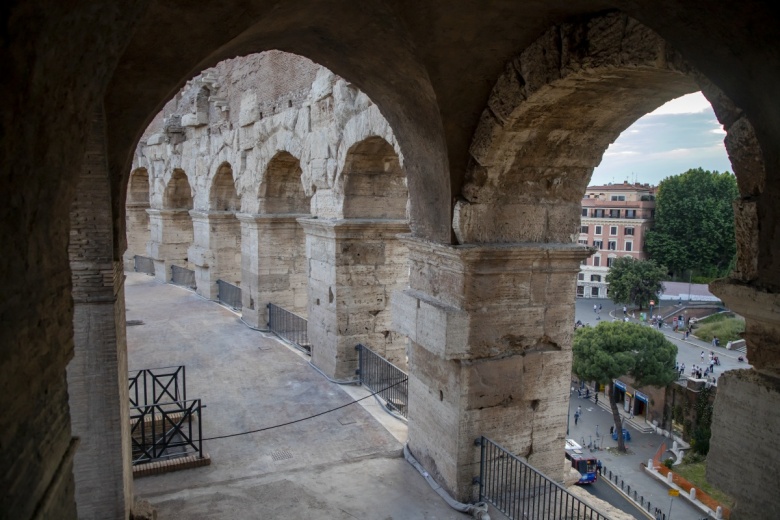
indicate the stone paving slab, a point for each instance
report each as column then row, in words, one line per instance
column 342, row 464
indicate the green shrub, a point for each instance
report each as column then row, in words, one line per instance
column 693, row 457
column 669, row 462
column 715, row 318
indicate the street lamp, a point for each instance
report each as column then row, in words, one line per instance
column 690, row 274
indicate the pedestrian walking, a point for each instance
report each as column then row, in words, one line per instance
column 576, row 417
column 595, row 308
column 702, row 352
column 597, row 398
column 598, row 466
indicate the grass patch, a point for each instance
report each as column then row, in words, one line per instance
column 716, row 318
column 694, row 473
column 724, row 327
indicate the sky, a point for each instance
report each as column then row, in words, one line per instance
column 680, row 135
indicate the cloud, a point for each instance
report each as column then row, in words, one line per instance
column 688, row 104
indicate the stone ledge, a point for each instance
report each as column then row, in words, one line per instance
column 166, row 466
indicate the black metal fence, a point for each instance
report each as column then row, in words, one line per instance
column 379, row 375
column 229, row 294
column 182, row 276
column 152, row 386
column 289, row 326
column 519, row 491
column 166, row 431
column 143, row 264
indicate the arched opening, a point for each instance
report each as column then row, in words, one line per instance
column 172, row 230
column 223, row 196
column 178, row 193
column 275, row 267
column 374, row 182
column 281, row 190
column 136, row 217
column 216, row 247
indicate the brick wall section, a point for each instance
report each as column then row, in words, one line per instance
column 292, row 78
column 97, row 375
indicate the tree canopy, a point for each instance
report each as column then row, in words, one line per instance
column 694, row 222
column 615, row 349
column 635, row 281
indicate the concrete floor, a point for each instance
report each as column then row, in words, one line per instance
column 340, row 465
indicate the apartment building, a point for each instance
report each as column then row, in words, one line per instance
column 614, row 219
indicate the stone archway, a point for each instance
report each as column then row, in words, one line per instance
column 374, row 183
column 548, row 121
column 171, row 231
column 223, row 195
column 216, row 246
column 274, row 265
column 281, row 190
column 357, row 261
column 136, row 216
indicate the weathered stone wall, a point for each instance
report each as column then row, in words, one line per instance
column 259, row 106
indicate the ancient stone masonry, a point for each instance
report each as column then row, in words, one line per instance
column 242, row 152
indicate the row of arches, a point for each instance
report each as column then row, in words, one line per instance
column 265, row 253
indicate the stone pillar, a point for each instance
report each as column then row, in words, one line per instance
column 490, row 330
column 741, row 443
column 97, row 375
column 355, row 265
column 137, row 227
column 273, row 265
column 170, row 235
column 215, row 251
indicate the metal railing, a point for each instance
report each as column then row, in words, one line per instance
column 143, row 264
column 379, row 375
column 152, row 386
column 182, row 276
column 519, row 491
column 289, row 326
column 229, row 294
column 166, row 431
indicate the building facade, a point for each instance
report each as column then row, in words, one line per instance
column 614, row 219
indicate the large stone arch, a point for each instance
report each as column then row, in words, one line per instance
column 550, row 117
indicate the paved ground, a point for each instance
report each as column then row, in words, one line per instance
column 341, row 465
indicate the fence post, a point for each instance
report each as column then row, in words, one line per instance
column 359, row 371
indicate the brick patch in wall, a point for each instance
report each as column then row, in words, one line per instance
column 166, row 466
